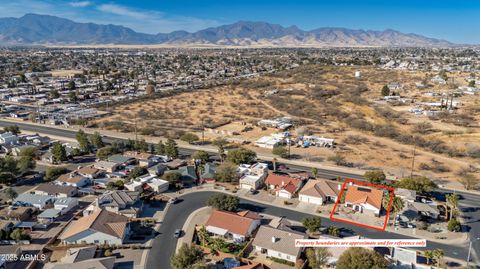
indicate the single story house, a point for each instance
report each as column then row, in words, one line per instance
column 284, row 186
column 107, row 166
column 406, row 195
column 126, row 203
column 100, row 227
column 157, row 169
column 233, row 226
column 320, row 191
column 121, row 160
column 89, row 171
column 254, row 176
column 65, row 204
column 364, row 199
column 208, row 173
column 48, row 216
column 73, row 179
column 33, row 200
column 278, row 243
column 55, row 190
column 144, row 159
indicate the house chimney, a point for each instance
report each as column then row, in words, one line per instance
column 339, row 187
column 283, row 183
column 274, row 239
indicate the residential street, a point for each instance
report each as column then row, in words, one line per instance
column 164, row 244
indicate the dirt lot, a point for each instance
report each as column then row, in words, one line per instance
column 329, row 102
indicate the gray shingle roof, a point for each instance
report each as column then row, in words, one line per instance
column 284, row 240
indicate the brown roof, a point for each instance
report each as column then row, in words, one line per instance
column 232, row 222
column 321, row 188
column 249, row 214
column 70, row 178
column 100, row 220
column 88, row 170
column 361, row 195
column 138, row 155
column 54, row 188
column 280, row 180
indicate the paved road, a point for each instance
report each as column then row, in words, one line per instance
column 164, row 244
column 469, row 205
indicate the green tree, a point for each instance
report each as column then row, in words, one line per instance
column 361, row 258
column 385, row 91
column 226, row 172
column 160, row 148
column 9, row 165
column 52, row 173
column 201, row 155
column 141, row 145
column 18, row 235
column 203, row 235
column 171, row 148
column 11, row 194
column 14, row 129
column 223, row 202
column 454, row 225
column 72, row 96
column 421, row 185
column 280, row 151
column 71, row 85
column 59, row 154
column 471, row 83
column 438, row 255
column 313, row 224
column 137, row 172
column 337, row 159
column 241, row 155
column 333, row 231
column 452, row 201
column 96, row 140
column 103, row 153
column 317, row 257
column 428, row 255
column 397, row 206
column 314, row 172
column 186, row 257
column 83, row 141
column 54, row 94
column 174, row 178
column 29, row 151
column 375, row 176
column 25, row 163
column 189, row 138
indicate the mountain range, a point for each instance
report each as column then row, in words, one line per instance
column 34, row 29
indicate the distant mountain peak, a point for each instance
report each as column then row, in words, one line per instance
column 46, row 29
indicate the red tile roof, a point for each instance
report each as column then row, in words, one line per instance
column 232, row 222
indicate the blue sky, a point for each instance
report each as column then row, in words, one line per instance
column 456, row 21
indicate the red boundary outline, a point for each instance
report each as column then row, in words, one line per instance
column 390, row 189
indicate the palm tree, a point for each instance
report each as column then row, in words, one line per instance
column 314, row 172
column 397, row 206
column 429, row 255
column 274, row 162
column 216, row 245
column 438, row 255
column 203, row 235
column 452, row 200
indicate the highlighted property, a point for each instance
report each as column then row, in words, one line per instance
column 360, row 203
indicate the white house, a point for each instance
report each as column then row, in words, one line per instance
column 364, row 199
column 278, row 243
column 233, row 226
column 65, row 204
column 100, row 227
column 8, row 138
column 254, row 176
column 320, row 191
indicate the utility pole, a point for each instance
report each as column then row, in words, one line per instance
column 470, row 249
column 203, row 133
column 136, row 135
column 413, row 159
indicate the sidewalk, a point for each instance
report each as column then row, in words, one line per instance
column 197, row 217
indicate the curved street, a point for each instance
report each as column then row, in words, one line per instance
column 164, row 244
